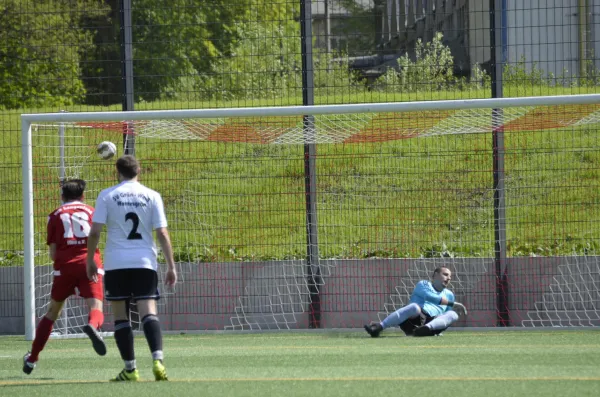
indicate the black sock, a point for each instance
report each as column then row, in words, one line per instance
column 153, row 335
column 124, row 339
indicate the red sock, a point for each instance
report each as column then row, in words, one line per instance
column 96, row 318
column 42, row 333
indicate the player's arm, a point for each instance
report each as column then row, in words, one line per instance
column 92, row 245
column 162, row 235
column 159, row 223
column 50, row 239
column 426, row 292
column 98, row 221
column 52, row 251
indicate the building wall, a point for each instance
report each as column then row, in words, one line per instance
column 478, row 41
column 544, row 32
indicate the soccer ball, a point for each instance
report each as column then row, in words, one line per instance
column 106, row 150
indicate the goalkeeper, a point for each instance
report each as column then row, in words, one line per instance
column 431, row 310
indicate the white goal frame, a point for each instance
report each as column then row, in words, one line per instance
column 27, row 145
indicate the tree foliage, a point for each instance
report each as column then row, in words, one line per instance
column 60, row 52
column 267, row 63
column 173, row 40
column 40, row 46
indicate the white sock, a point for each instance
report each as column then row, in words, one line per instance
column 401, row 315
column 130, row 365
column 442, row 321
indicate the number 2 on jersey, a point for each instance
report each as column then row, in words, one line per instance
column 133, row 234
column 76, row 225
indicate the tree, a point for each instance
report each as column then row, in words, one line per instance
column 40, row 43
column 170, row 40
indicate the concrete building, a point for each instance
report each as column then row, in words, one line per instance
column 561, row 37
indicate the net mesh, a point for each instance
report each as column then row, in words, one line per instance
column 572, row 298
column 390, row 186
column 360, row 127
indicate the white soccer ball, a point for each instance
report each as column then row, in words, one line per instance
column 106, row 150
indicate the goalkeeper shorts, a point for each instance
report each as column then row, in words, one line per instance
column 411, row 324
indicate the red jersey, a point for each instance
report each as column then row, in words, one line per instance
column 68, row 227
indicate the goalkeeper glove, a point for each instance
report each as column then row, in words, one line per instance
column 459, row 307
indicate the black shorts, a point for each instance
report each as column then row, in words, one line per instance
column 411, row 324
column 131, row 284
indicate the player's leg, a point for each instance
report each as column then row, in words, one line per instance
column 63, row 286
column 153, row 334
column 96, row 312
column 117, row 284
column 437, row 325
column 93, row 293
column 397, row 318
column 95, row 320
column 42, row 334
column 146, row 294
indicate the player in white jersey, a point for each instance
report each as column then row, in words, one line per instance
column 432, row 308
column 131, row 211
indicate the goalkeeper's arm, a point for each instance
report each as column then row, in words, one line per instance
column 424, row 290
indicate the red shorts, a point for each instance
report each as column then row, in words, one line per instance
column 75, row 277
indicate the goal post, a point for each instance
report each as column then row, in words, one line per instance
column 401, row 188
column 28, row 231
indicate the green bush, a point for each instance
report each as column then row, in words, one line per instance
column 432, row 69
column 518, row 74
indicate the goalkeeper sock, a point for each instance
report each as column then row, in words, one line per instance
column 96, row 318
column 124, row 338
column 442, row 321
column 42, row 333
column 401, row 315
column 153, row 335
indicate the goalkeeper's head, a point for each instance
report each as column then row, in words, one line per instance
column 72, row 190
column 441, row 278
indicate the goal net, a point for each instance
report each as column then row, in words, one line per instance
column 326, row 216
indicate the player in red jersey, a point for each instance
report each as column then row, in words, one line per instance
column 67, row 234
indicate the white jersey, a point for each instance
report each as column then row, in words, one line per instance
column 131, row 212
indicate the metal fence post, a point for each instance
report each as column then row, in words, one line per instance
column 127, row 71
column 310, row 177
column 497, row 54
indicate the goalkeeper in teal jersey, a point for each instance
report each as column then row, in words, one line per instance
column 432, row 309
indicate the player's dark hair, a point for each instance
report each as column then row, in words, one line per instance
column 128, row 166
column 438, row 270
column 73, row 189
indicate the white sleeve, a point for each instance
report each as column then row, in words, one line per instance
column 159, row 219
column 100, row 211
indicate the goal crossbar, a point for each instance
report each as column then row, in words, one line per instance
column 583, row 99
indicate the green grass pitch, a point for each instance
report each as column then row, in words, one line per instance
column 494, row 363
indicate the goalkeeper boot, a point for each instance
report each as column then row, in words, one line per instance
column 27, row 365
column 127, row 376
column 424, row 331
column 158, row 369
column 374, row 329
column 97, row 341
